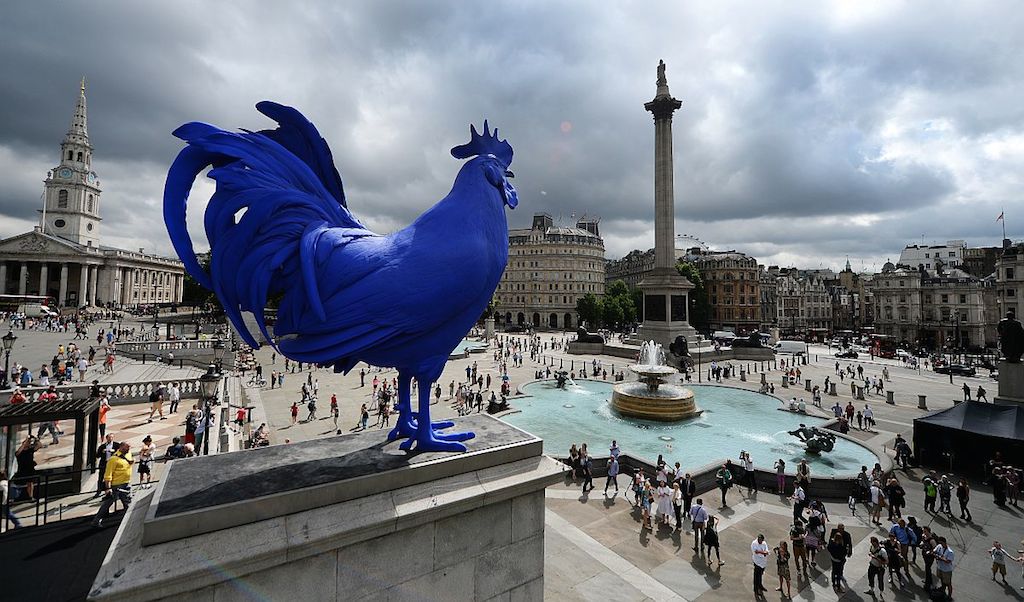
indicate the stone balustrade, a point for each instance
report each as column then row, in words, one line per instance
column 152, row 347
column 120, row 393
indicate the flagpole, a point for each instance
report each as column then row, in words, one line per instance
column 1004, row 224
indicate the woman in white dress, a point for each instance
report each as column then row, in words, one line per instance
column 664, row 502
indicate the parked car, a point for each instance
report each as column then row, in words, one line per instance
column 956, row 369
column 849, row 354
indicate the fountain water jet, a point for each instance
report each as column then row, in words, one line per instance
column 651, row 397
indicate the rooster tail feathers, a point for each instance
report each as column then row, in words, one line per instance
column 274, row 197
column 301, row 138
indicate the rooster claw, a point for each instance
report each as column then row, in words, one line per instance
column 440, row 424
column 432, row 443
column 455, row 436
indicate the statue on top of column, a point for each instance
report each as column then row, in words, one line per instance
column 661, row 73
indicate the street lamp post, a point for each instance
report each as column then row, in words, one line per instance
column 218, row 354
column 209, row 383
column 8, row 340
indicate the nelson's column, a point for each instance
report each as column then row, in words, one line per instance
column 665, row 291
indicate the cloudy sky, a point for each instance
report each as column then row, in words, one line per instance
column 809, row 131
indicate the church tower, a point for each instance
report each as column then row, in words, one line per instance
column 72, row 200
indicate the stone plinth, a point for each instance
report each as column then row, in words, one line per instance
column 296, row 523
column 1011, row 383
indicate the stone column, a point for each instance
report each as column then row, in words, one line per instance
column 44, row 272
column 662, row 108
column 23, row 279
column 3, row 277
column 94, row 276
column 83, row 285
column 63, row 293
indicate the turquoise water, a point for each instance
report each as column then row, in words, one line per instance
column 469, row 345
column 733, row 420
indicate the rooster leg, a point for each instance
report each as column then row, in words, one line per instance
column 426, row 438
column 405, row 425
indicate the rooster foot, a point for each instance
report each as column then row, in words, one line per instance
column 404, row 429
column 433, row 441
column 437, row 425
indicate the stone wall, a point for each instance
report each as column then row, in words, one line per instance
column 492, row 552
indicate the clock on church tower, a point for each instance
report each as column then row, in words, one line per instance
column 72, row 193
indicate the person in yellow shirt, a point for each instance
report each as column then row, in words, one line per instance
column 117, row 482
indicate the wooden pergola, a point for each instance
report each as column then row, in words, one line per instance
column 86, row 434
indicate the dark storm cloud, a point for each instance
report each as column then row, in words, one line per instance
column 807, row 130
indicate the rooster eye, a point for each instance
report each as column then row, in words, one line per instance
column 509, row 174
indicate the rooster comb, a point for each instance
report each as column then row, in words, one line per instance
column 486, row 144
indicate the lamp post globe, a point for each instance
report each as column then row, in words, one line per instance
column 209, row 383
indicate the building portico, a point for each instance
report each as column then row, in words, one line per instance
column 63, row 257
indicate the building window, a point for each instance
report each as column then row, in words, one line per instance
column 945, row 298
column 88, row 206
column 963, row 298
column 59, row 223
column 1009, row 273
column 70, row 155
column 79, row 157
column 88, row 227
column 62, row 199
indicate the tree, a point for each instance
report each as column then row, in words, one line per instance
column 194, row 294
column 699, row 308
column 588, row 308
column 611, row 313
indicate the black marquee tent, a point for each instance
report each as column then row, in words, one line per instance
column 966, row 436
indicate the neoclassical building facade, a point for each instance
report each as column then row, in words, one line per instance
column 63, row 257
column 549, row 268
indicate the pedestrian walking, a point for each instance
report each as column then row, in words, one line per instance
column 782, row 565
column 711, row 540
column 613, row 478
column 723, row 478
column 877, row 561
column 117, row 481
column 999, row 556
column 759, row 557
column 837, row 553
column 588, row 473
column 698, row 520
column 944, row 566
column 963, row 496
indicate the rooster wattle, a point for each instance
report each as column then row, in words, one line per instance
column 279, row 225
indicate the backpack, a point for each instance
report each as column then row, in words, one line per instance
column 191, row 421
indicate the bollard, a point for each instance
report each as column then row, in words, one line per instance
column 889, row 398
column 743, row 374
column 764, row 378
column 921, row 402
column 807, row 384
column 860, row 393
column 785, row 381
column 832, row 389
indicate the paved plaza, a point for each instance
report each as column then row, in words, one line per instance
column 595, row 548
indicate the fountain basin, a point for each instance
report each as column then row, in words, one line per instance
column 668, row 403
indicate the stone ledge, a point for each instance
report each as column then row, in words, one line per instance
column 283, row 480
column 132, row 571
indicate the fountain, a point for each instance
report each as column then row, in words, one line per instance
column 650, row 397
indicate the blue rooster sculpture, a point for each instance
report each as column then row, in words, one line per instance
column 279, row 225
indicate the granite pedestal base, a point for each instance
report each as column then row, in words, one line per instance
column 299, row 522
column 1011, row 383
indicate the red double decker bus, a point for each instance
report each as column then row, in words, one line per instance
column 882, row 345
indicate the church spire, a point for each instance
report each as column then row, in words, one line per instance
column 79, row 130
